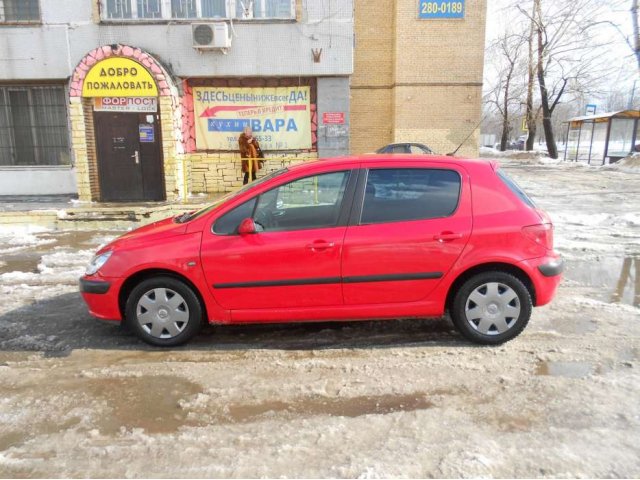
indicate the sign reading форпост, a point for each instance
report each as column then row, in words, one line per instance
column 428, row 9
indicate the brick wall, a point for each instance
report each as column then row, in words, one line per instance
column 416, row 80
column 221, row 172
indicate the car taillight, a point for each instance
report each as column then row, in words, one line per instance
column 541, row 234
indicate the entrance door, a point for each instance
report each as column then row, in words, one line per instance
column 129, row 156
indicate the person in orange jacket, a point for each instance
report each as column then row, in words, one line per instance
column 250, row 153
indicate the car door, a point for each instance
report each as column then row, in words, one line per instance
column 408, row 229
column 294, row 260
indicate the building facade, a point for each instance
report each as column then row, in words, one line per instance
column 418, row 74
column 143, row 100
column 127, row 100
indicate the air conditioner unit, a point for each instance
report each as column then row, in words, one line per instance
column 211, row 36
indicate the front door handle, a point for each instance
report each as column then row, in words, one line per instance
column 320, row 245
column 136, row 157
column 447, row 236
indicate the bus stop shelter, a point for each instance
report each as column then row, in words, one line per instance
column 602, row 138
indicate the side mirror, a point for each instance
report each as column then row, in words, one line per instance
column 247, row 226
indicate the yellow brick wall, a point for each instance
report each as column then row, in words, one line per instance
column 416, row 80
column 79, row 148
column 221, row 172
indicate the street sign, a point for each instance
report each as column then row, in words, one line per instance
column 591, row 109
column 430, row 9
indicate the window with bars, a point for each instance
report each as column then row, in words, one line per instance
column 19, row 11
column 33, row 126
column 197, row 9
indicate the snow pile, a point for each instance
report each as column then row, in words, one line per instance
column 520, row 156
column 630, row 164
column 14, row 238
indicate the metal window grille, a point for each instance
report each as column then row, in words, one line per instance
column 196, row 9
column 33, row 126
column 19, row 10
column 183, row 9
column 118, row 9
column 149, row 9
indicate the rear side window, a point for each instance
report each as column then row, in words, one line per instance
column 403, row 194
column 515, row 188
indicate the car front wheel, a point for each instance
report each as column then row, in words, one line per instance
column 491, row 308
column 164, row 311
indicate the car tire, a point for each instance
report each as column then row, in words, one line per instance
column 163, row 311
column 491, row 308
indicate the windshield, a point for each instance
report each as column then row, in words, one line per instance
column 228, row 196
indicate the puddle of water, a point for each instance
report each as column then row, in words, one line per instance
column 336, row 407
column 150, row 403
column 566, row 369
column 21, row 262
column 617, row 277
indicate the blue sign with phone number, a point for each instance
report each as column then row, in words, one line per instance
column 441, row 9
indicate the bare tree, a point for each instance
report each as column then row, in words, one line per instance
column 506, row 52
column 568, row 54
column 636, row 31
column 531, row 116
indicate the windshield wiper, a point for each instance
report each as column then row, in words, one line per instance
column 183, row 218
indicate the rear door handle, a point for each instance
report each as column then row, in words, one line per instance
column 320, row 245
column 447, row 236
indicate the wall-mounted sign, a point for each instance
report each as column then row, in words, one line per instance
column 146, row 133
column 428, row 9
column 336, row 118
column 119, row 77
column 125, row 104
column 280, row 117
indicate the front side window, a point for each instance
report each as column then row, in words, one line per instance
column 403, row 194
column 33, row 126
column 19, row 11
column 193, row 9
column 228, row 223
column 310, row 202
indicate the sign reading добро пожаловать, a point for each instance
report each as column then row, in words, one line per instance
column 119, row 77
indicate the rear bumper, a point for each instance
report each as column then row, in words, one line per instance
column 546, row 274
column 101, row 296
column 552, row 268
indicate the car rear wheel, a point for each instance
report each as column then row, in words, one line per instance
column 491, row 308
column 164, row 311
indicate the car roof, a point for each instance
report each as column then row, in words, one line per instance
column 382, row 158
column 403, row 143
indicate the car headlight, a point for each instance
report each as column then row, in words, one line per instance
column 97, row 262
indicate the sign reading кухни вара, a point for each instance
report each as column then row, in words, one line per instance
column 119, row 77
column 428, row 9
column 280, row 117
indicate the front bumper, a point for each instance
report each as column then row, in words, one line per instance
column 101, row 296
column 94, row 286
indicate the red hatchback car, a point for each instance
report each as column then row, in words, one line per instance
column 368, row 237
